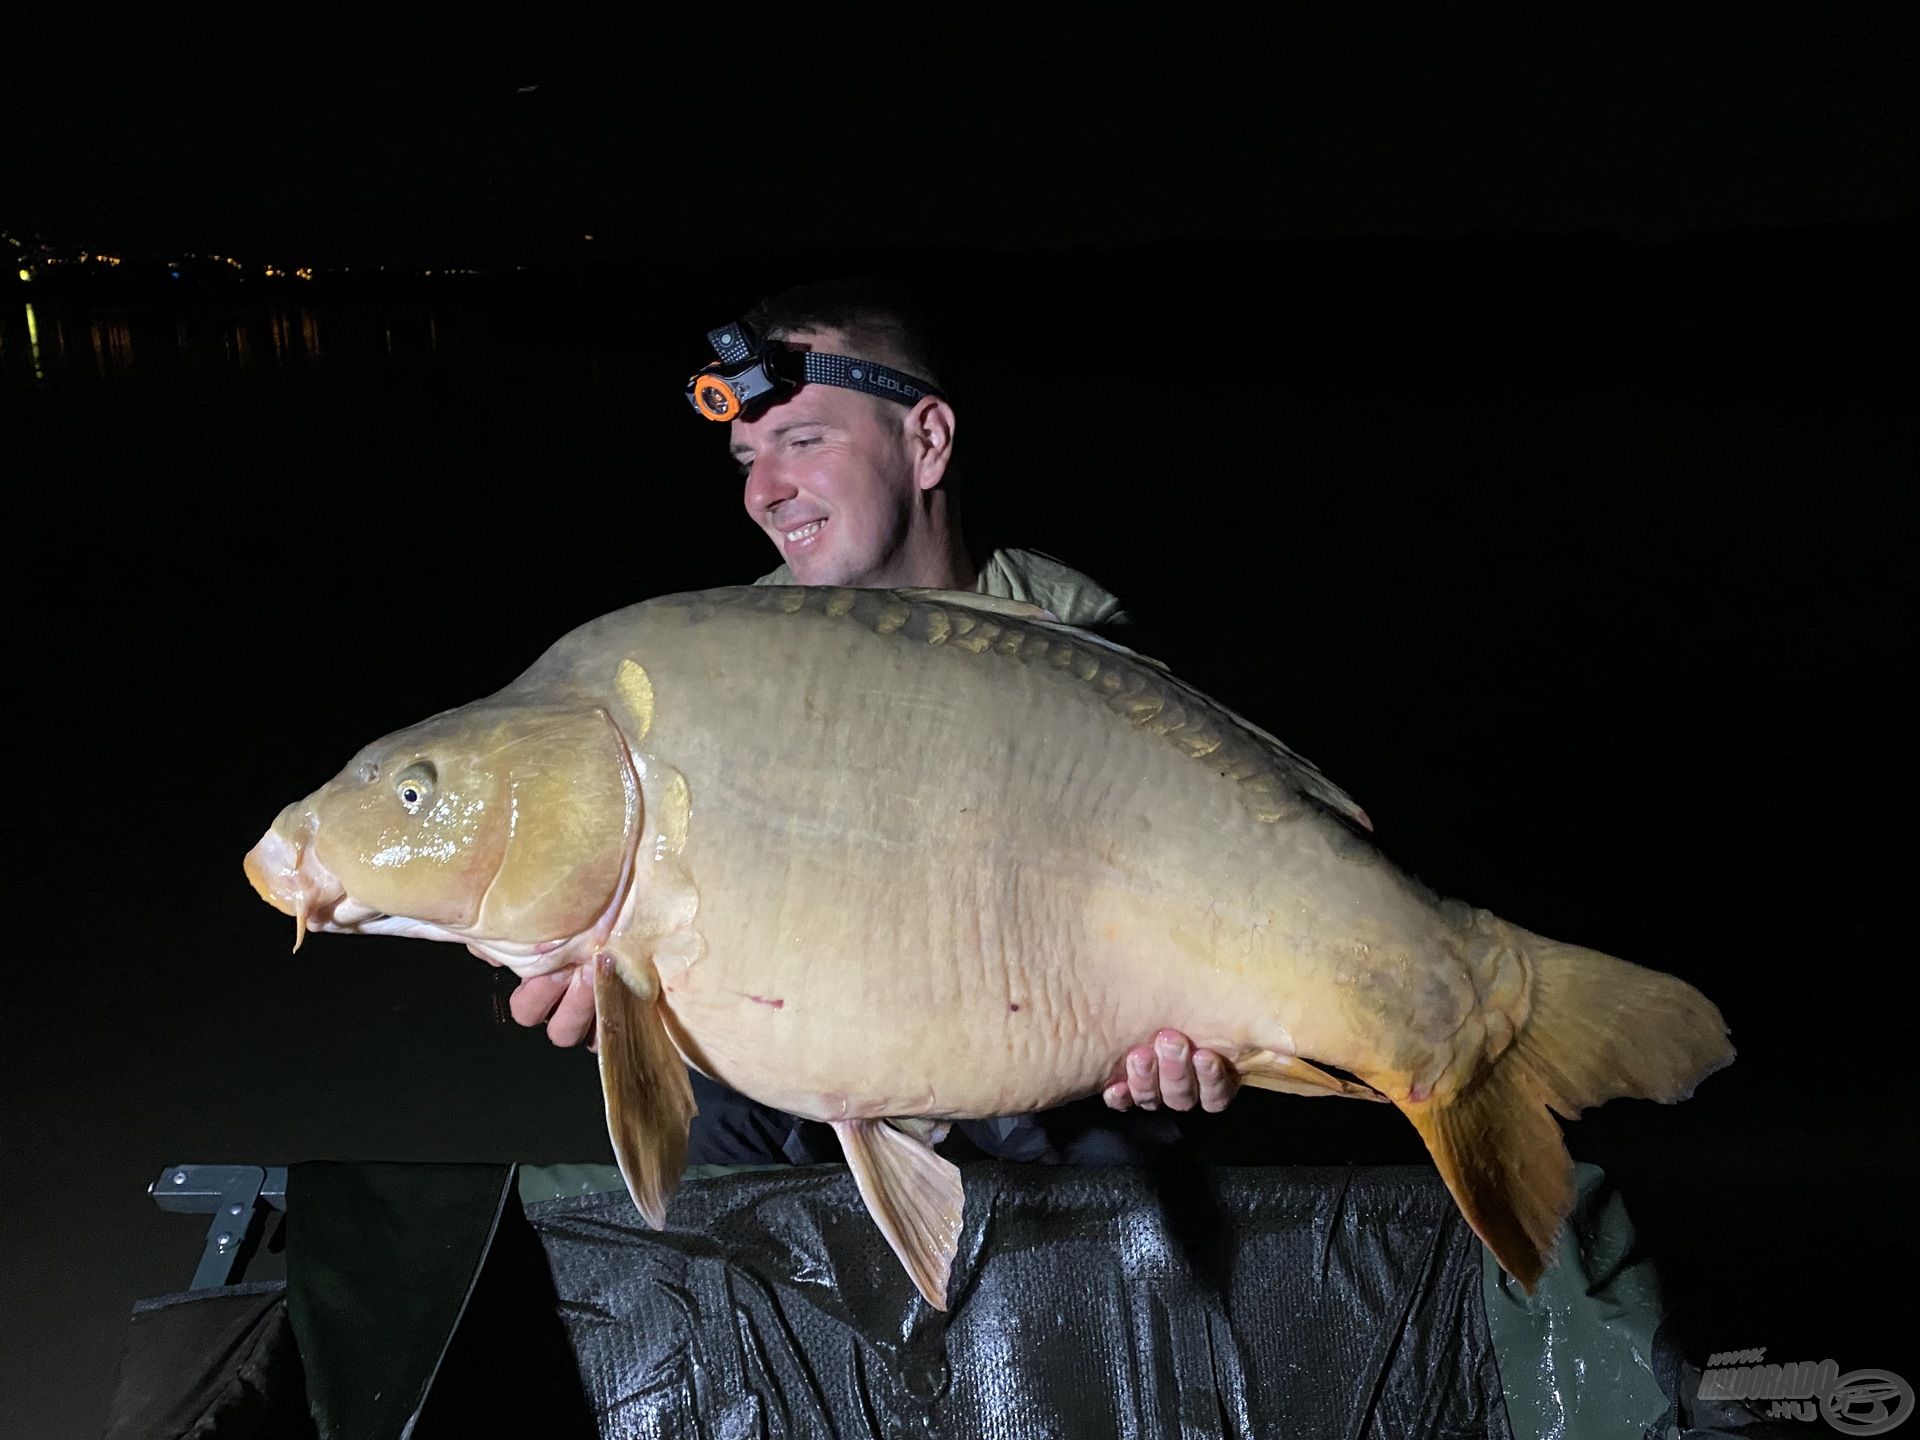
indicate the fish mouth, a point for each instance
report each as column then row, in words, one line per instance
column 289, row 876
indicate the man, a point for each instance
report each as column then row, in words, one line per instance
column 855, row 487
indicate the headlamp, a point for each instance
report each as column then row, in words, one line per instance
column 752, row 372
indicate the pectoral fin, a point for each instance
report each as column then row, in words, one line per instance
column 914, row 1196
column 649, row 1100
column 1269, row 1070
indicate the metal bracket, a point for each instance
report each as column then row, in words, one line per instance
column 234, row 1196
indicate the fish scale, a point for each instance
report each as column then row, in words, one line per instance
column 1136, row 689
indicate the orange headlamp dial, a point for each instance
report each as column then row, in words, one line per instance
column 714, row 398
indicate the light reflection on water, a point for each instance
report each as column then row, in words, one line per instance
column 33, row 341
column 112, row 346
column 56, row 341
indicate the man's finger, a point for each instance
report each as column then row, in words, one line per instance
column 573, row 1019
column 1143, row 1077
column 1175, row 1056
column 533, row 998
column 1219, row 1081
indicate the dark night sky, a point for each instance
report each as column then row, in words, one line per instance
column 1569, row 515
column 383, row 132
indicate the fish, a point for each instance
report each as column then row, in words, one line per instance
column 889, row 859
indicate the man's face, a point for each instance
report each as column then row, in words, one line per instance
column 829, row 478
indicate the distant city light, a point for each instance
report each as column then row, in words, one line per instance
column 32, row 259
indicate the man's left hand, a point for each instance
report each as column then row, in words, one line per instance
column 562, row 1000
column 1170, row 1072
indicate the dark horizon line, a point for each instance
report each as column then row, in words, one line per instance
column 589, row 246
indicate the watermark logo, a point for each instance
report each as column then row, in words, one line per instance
column 1861, row 1402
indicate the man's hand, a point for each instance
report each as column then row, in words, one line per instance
column 1170, row 1072
column 563, row 1000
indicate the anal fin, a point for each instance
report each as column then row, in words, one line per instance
column 1504, row 1160
column 1289, row 1074
column 644, row 1081
column 914, row 1196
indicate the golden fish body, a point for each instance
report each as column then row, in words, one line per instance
column 882, row 857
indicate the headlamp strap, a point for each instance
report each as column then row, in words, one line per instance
column 735, row 344
column 864, row 376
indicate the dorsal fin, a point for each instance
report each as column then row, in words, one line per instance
column 1024, row 610
column 1299, row 773
column 974, row 600
column 1306, row 775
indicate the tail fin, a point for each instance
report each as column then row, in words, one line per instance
column 1599, row 1029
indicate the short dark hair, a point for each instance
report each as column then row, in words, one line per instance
column 883, row 320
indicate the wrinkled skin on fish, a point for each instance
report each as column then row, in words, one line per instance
column 889, row 859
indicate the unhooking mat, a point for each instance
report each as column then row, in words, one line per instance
column 1230, row 1303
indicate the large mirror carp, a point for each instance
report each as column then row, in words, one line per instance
column 887, row 859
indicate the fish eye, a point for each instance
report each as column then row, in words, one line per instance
column 414, row 786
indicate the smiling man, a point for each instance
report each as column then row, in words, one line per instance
column 844, row 435
column 858, row 488
column 849, row 487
